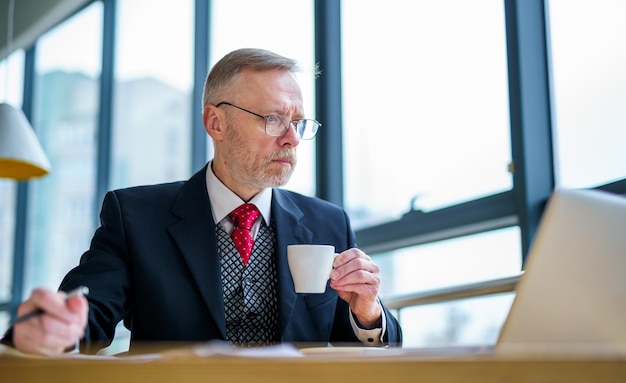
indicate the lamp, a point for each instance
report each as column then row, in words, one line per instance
column 21, row 156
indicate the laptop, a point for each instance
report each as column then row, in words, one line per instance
column 571, row 298
column 572, row 295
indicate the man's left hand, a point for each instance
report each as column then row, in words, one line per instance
column 356, row 279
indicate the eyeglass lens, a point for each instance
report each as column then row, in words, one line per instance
column 277, row 125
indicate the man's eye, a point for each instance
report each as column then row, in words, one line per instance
column 272, row 119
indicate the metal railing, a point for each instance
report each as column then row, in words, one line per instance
column 479, row 289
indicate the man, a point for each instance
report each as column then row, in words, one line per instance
column 163, row 259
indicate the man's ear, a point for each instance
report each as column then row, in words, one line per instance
column 214, row 122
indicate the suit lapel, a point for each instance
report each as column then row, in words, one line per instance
column 195, row 236
column 289, row 231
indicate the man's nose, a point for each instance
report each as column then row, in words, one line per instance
column 291, row 136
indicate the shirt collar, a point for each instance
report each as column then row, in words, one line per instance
column 223, row 200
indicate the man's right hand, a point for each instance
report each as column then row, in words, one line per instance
column 57, row 330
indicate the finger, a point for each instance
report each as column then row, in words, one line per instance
column 77, row 304
column 360, row 266
column 52, row 303
column 361, row 292
column 349, row 255
column 355, row 278
column 80, row 307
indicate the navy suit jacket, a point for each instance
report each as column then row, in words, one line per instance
column 154, row 263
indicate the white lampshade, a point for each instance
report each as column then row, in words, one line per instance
column 21, row 156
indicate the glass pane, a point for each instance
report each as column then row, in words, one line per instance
column 471, row 259
column 4, row 322
column 425, row 105
column 491, row 255
column 7, row 233
column 589, row 90
column 468, row 322
column 290, row 36
column 61, row 207
column 12, row 79
column 152, row 95
column 11, row 75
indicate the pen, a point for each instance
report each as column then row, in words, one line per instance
column 79, row 291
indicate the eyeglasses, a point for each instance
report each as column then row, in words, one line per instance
column 276, row 125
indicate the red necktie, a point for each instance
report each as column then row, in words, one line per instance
column 243, row 218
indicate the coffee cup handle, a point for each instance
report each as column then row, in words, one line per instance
column 332, row 267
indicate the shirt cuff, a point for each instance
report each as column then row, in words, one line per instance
column 370, row 337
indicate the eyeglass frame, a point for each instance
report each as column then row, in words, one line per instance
column 286, row 128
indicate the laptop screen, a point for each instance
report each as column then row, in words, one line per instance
column 572, row 295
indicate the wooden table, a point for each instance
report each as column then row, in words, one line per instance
column 183, row 368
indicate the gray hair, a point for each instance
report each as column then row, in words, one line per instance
column 225, row 72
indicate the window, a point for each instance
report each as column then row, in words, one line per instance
column 11, row 73
column 152, row 95
column 589, row 90
column 468, row 322
column 61, row 215
column 426, row 126
column 4, row 321
column 426, row 120
column 469, row 259
column 284, row 27
column 7, row 233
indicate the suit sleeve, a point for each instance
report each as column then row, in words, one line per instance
column 393, row 332
column 104, row 268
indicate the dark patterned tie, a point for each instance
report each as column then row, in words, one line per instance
column 243, row 218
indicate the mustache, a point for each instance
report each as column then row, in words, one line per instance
column 289, row 153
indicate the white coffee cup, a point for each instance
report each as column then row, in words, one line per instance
column 310, row 266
